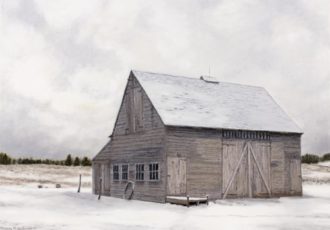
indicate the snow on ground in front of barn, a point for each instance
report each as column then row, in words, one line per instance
column 319, row 173
column 24, row 206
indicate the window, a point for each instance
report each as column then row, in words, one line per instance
column 139, row 173
column 153, row 171
column 115, row 172
column 124, row 172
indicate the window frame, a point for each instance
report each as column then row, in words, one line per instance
column 122, row 173
column 156, row 172
column 117, row 172
column 140, row 173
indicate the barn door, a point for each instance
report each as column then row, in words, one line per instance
column 234, row 170
column 176, row 176
column 295, row 175
column 260, row 169
column 246, row 169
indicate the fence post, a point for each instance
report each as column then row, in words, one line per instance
column 79, row 184
column 100, row 188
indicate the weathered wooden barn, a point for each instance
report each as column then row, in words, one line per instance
column 179, row 136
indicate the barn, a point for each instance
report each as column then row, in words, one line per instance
column 179, row 136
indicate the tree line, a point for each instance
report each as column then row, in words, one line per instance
column 5, row 159
column 313, row 158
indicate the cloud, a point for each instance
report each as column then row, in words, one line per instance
column 64, row 65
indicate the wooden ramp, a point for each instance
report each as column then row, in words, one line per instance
column 186, row 200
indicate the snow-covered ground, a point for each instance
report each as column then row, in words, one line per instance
column 46, row 175
column 24, row 206
column 319, row 173
column 325, row 163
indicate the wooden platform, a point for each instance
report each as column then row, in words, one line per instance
column 186, row 200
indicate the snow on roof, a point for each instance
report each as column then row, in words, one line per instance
column 192, row 102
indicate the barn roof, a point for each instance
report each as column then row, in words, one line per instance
column 192, row 102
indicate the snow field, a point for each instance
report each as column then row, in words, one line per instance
column 24, row 206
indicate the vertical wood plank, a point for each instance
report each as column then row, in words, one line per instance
column 249, row 174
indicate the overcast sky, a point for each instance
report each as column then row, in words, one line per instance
column 64, row 64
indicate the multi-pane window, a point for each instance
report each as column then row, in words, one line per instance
column 153, row 171
column 139, row 172
column 124, row 172
column 115, row 172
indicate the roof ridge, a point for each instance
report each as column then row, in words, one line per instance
column 194, row 78
column 170, row 75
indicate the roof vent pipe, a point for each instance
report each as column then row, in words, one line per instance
column 209, row 79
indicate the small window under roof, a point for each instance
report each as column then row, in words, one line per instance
column 209, row 79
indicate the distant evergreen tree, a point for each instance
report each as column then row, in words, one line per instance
column 326, row 157
column 310, row 158
column 27, row 161
column 86, row 162
column 68, row 160
column 76, row 161
column 46, row 161
column 5, row 159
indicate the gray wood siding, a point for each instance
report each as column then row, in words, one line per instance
column 142, row 145
column 139, row 136
column 202, row 150
column 279, row 159
column 286, row 165
column 125, row 120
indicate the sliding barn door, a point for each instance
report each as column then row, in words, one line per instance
column 176, row 176
column 246, row 169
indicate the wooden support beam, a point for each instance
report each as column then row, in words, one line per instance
column 235, row 171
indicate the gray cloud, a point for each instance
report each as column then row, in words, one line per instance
column 64, row 65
